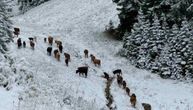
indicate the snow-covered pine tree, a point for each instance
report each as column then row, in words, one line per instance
column 181, row 47
column 156, row 42
column 185, row 48
column 28, row 4
column 128, row 15
column 143, row 60
column 150, row 8
column 5, row 37
column 5, row 25
column 135, row 45
column 181, row 9
column 166, row 57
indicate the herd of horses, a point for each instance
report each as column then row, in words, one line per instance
column 83, row 70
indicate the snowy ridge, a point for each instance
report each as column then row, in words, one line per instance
column 79, row 24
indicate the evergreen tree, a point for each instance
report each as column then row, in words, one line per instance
column 165, row 44
column 5, row 25
column 28, row 4
column 128, row 15
column 150, row 7
column 136, row 43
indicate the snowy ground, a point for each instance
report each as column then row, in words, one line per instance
column 79, row 24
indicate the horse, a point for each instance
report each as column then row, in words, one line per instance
column 60, row 48
column 127, row 91
column 45, row 39
column 49, row 50
column 55, row 52
column 146, row 106
column 106, row 75
column 119, row 80
column 67, row 56
column 118, row 71
column 92, row 57
column 133, row 100
column 66, row 61
column 19, row 44
column 24, row 44
column 86, row 53
column 50, row 40
column 58, row 43
column 58, row 56
column 31, row 38
column 82, row 70
column 16, row 31
column 97, row 62
column 124, row 84
column 32, row 44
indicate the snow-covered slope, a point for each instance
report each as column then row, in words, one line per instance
column 79, row 24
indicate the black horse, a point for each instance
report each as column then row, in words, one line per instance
column 82, row 70
column 118, row 71
column 49, row 50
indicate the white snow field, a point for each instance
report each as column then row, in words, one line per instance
column 79, row 25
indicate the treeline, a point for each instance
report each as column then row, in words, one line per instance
column 5, row 28
column 171, row 11
column 5, row 38
column 25, row 5
column 157, row 35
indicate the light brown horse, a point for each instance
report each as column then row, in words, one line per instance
column 97, row 62
column 58, row 56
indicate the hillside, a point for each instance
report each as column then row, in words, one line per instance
column 53, row 86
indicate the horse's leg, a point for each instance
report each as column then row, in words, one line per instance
column 86, row 75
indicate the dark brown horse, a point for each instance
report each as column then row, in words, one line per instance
column 124, row 84
column 67, row 56
column 92, row 57
column 133, row 100
column 19, row 44
column 127, row 91
column 55, row 52
column 66, row 61
column 32, row 44
column 119, row 80
column 50, row 40
column 24, row 44
column 86, row 53
column 16, row 31
column 146, row 106
column 58, row 43
column 60, row 48
column 45, row 39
